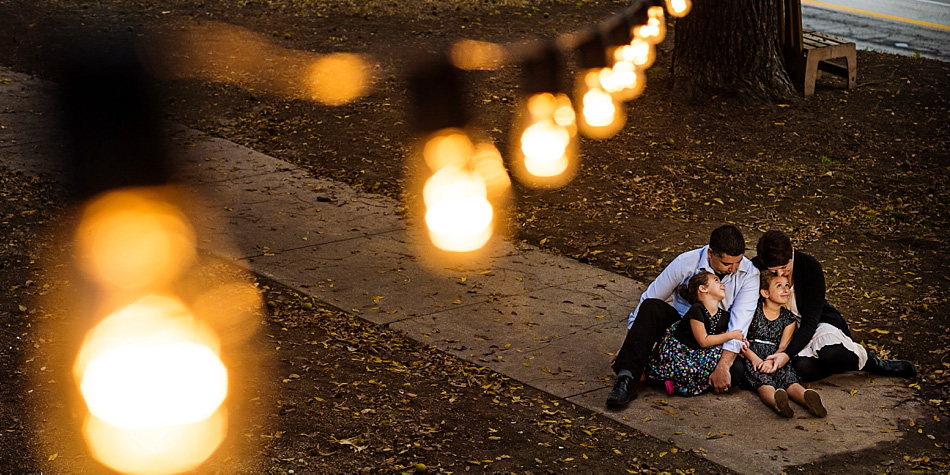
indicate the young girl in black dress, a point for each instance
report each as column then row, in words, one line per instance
column 691, row 347
column 769, row 333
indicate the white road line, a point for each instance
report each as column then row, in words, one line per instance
column 932, row 2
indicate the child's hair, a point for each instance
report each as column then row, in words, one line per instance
column 765, row 280
column 690, row 290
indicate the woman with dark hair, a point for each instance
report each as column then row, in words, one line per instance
column 822, row 344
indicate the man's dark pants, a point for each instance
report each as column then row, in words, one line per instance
column 653, row 318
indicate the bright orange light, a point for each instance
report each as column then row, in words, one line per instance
column 624, row 81
column 543, row 144
column 472, row 55
column 133, row 239
column 545, row 151
column 155, row 450
column 152, row 370
column 601, row 115
column 458, row 213
column 448, row 148
column 338, row 78
column 679, row 8
column 599, row 108
column 655, row 29
column 186, row 380
column 458, row 197
column 227, row 53
column 639, row 52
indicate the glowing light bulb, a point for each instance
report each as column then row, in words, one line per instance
column 599, row 108
column 134, row 239
column 608, row 81
column 545, row 152
column 154, row 384
column 458, row 213
column 120, row 382
column 544, row 144
column 338, row 78
column 458, row 198
column 624, row 82
column 448, row 148
column 655, row 29
column 155, row 450
column 639, row 52
column 679, row 8
column 601, row 114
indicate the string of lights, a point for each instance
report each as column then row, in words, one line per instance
column 459, row 199
column 465, row 183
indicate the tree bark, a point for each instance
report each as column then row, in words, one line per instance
column 730, row 48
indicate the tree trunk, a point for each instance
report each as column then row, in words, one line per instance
column 730, row 48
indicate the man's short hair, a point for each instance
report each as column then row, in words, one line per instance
column 727, row 239
column 774, row 248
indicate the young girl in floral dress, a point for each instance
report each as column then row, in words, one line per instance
column 769, row 333
column 691, row 347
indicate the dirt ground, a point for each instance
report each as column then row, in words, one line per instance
column 860, row 179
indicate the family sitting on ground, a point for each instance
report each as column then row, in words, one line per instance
column 767, row 312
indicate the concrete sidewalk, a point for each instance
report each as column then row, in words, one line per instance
column 545, row 320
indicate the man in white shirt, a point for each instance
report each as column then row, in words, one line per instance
column 654, row 314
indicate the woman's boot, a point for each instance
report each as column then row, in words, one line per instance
column 899, row 368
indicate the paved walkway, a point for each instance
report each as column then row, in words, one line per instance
column 547, row 321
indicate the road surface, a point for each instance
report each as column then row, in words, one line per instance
column 908, row 27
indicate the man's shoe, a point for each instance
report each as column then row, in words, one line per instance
column 624, row 391
column 899, row 368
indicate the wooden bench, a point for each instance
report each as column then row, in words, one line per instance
column 806, row 52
